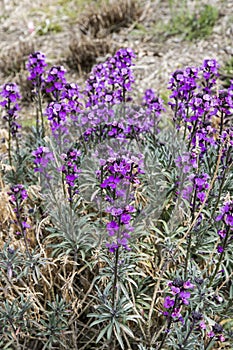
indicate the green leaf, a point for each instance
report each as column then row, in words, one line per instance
column 127, row 330
column 118, row 335
column 102, row 332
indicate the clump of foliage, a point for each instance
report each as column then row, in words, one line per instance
column 226, row 72
column 192, row 25
column 117, row 223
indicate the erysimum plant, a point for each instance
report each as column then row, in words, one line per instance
column 119, row 232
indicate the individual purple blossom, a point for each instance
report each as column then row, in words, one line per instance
column 202, row 325
column 184, row 296
column 168, row 303
column 222, row 233
column 188, row 285
column 220, row 249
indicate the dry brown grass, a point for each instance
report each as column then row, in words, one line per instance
column 108, row 18
column 83, row 53
column 13, row 58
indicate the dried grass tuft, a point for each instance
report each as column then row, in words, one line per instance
column 83, row 53
column 13, row 59
column 109, row 17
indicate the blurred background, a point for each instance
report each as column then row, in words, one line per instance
column 165, row 34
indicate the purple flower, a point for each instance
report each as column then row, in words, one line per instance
column 112, row 228
column 25, row 224
column 188, row 285
column 112, row 247
column 226, row 213
column 55, row 81
column 220, row 249
column 10, row 94
column 175, row 290
column 42, row 157
column 70, row 166
column 168, row 303
column 57, row 115
column 153, row 103
column 125, row 218
column 17, row 194
column 184, row 296
column 109, row 81
column 35, row 66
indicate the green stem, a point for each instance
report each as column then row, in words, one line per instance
column 114, row 288
column 23, row 230
column 9, row 143
column 168, row 325
column 101, row 194
column 221, row 256
column 190, row 235
column 41, row 111
column 208, row 344
column 226, row 170
column 188, row 334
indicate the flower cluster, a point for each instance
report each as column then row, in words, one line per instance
column 226, row 214
column 71, row 94
column 17, row 196
column 35, row 65
column 187, row 162
column 57, row 115
column 119, row 176
column 182, row 84
column 217, row 333
column 10, row 94
column 70, row 167
column 42, row 157
column 196, row 102
column 180, row 291
column 109, row 82
column 55, row 81
column 196, row 191
column 209, row 70
column 152, row 103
